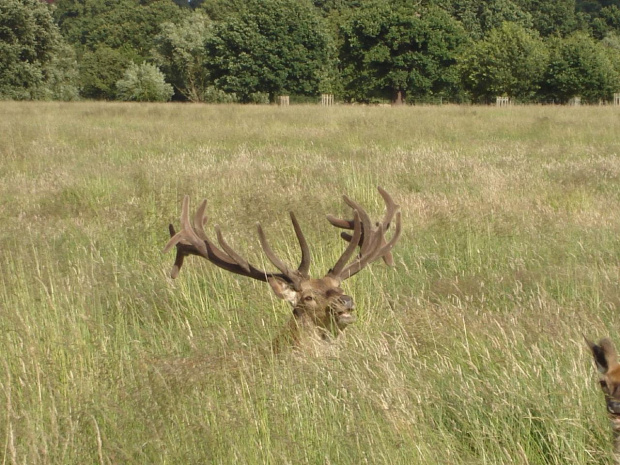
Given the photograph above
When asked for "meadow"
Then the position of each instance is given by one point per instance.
(468, 351)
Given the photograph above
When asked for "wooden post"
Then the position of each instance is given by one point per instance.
(617, 99)
(283, 100)
(502, 101)
(327, 100)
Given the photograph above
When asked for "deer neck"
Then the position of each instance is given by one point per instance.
(304, 328)
(302, 332)
(615, 426)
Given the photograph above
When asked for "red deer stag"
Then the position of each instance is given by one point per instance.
(321, 309)
(608, 367)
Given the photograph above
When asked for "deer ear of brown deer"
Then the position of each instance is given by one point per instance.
(284, 290)
(604, 354)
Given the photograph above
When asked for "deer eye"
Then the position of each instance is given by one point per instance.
(308, 298)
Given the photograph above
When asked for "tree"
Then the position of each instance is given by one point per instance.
(35, 62)
(552, 17)
(99, 71)
(392, 49)
(108, 35)
(181, 53)
(272, 46)
(143, 83)
(478, 18)
(580, 66)
(510, 61)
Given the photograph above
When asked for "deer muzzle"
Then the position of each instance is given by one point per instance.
(344, 315)
(613, 407)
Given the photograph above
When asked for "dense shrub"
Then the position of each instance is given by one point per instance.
(143, 83)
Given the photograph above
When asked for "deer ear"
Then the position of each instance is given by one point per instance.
(284, 290)
(604, 355)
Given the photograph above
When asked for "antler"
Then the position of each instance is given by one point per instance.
(194, 241)
(371, 240)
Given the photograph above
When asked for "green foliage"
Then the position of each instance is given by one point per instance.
(510, 61)
(214, 95)
(552, 17)
(181, 54)
(99, 71)
(272, 46)
(258, 98)
(390, 49)
(479, 18)
(360, 50)
(108, 35)
(605, 22)
(143, 83)
(581, 66)
(35, 62)
(62, 75)
(118, 24)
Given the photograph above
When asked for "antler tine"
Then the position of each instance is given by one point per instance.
(364, 243)
(292, 276)
(184, 237)
(242, 262)
(304, 265)
(346, 255)
(379, 250)
(230, 256)
(200, 219)
(178, 260)
(187, 233)
(340, 223)
(390, 206)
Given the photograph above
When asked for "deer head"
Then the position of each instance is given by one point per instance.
(320, 306)
(606, 360)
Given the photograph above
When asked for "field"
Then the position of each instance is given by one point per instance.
(469, 351)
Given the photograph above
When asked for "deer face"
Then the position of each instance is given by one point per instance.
(318, 301)
(608, 367)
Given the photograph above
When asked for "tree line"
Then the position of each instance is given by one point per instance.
(251, 51)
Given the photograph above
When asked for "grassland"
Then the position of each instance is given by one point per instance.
(470, 351)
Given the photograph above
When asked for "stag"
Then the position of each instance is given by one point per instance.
(606, 359)
(321, 309)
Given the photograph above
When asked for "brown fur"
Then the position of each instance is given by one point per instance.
(321, 311)
(606, 359)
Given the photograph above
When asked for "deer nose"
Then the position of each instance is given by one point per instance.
(347, 302)
(613, 407)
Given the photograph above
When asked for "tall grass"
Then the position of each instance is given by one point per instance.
(468, 352)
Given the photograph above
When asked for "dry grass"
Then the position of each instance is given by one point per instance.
(469, 352)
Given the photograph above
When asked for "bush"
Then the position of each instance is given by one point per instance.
(214, 95)
(260, 98)
(143, 83)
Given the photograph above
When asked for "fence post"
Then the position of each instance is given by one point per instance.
(502, 101)
(617, 99)
(327, 100)
(283, 100)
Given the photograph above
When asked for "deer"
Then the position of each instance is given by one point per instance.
(606, 359)
(321, 309)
